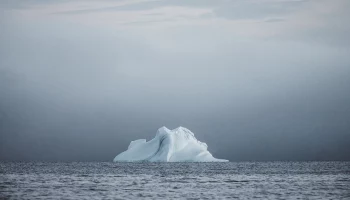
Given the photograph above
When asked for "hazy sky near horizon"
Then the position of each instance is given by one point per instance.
(254, 79)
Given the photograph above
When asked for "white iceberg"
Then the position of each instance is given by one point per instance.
(178, 145)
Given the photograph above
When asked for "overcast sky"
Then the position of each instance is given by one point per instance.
(256, 80)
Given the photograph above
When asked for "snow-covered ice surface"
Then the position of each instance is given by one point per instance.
(178, 145)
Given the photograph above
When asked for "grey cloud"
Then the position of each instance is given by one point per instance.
(128, 7)
(256, 9)
(146, 5)
(274, 20)
(221, 8)
(326, 25)
(327, 35)
(25, 4)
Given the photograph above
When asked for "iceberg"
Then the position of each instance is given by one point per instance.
(177, 145)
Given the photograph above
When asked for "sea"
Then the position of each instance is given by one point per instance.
(144, 180)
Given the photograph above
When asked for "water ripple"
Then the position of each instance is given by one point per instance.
(266, 180)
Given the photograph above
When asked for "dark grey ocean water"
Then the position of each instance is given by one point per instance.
(107, 180)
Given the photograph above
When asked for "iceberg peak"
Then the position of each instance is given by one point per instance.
(162, 130)
(177, 145)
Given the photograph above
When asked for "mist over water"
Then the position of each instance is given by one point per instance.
(79, 85)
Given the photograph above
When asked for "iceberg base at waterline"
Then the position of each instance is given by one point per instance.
(177, 145)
